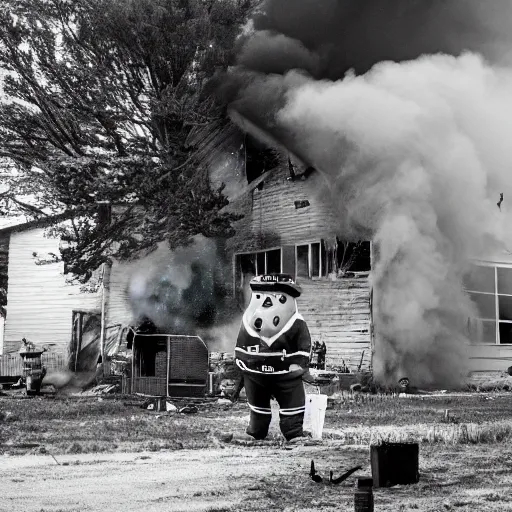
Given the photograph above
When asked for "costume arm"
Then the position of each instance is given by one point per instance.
(303, 345)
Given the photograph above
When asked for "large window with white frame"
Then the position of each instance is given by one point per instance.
(490, 288)
(309, 260)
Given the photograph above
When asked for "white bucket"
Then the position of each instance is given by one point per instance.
(314, 416)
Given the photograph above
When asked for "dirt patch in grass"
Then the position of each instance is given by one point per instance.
(475, 478)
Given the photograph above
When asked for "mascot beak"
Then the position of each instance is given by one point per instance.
(267, 303)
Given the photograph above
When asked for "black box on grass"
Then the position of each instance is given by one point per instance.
(395, 464)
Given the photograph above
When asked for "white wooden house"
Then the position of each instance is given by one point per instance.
(42, 305)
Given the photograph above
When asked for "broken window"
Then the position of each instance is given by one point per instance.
(490, 289)
(353, 256)
(258, 158)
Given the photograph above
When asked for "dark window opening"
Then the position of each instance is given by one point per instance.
(147, 362)
(505, 333)
(260, 263)
(316, 268)
(303, 261)
(505, 307)
(258, 158)
(353, 256)
(362, 262)
(247, 264)
(274, 261)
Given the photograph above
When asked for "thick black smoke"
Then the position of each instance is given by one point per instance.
(325, 39)
(405, 107)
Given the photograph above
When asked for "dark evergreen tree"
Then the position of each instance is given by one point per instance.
(100, 98)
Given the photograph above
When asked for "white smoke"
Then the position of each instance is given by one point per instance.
(416, 155)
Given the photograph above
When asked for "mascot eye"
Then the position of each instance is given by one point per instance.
(282, 299)
(276, 320)
(258, 296)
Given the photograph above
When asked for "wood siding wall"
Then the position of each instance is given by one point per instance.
(39, 301)
(270, 216)
(274, 210)
(337, 312)
(117, 308)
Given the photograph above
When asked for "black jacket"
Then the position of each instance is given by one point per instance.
(258, 355)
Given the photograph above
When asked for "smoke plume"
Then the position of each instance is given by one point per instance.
(184, 292)
(405, 106)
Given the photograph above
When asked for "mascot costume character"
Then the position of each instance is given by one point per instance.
(273, 350)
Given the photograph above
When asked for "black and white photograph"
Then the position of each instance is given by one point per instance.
(255, 255)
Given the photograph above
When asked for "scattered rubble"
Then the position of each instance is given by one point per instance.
(102, 389)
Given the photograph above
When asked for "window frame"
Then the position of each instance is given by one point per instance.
(497, 321)
(265, 252)
(321, 254)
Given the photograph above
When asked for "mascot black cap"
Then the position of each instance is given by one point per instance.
(276, 283)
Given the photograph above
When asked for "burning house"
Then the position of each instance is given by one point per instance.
(287, 228)
(403, 110)
(367, 153)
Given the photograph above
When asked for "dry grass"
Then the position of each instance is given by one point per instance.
(465, 455)
(71, 425)
(84, 425)
(452, 478)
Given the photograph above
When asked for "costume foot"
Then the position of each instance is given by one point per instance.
(297, 441)
(242, 439)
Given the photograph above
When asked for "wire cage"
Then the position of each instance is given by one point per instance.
(169, 365)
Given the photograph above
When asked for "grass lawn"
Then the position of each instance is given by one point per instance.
(84, 425)
(465, 456)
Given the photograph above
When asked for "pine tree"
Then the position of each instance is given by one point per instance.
(101, 96)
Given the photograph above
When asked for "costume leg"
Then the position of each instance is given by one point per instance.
(292, 403)
(258, 398)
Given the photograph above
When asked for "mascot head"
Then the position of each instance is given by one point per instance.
(272, 303)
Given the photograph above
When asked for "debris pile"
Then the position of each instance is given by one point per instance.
(102, 389)
(226, 375)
